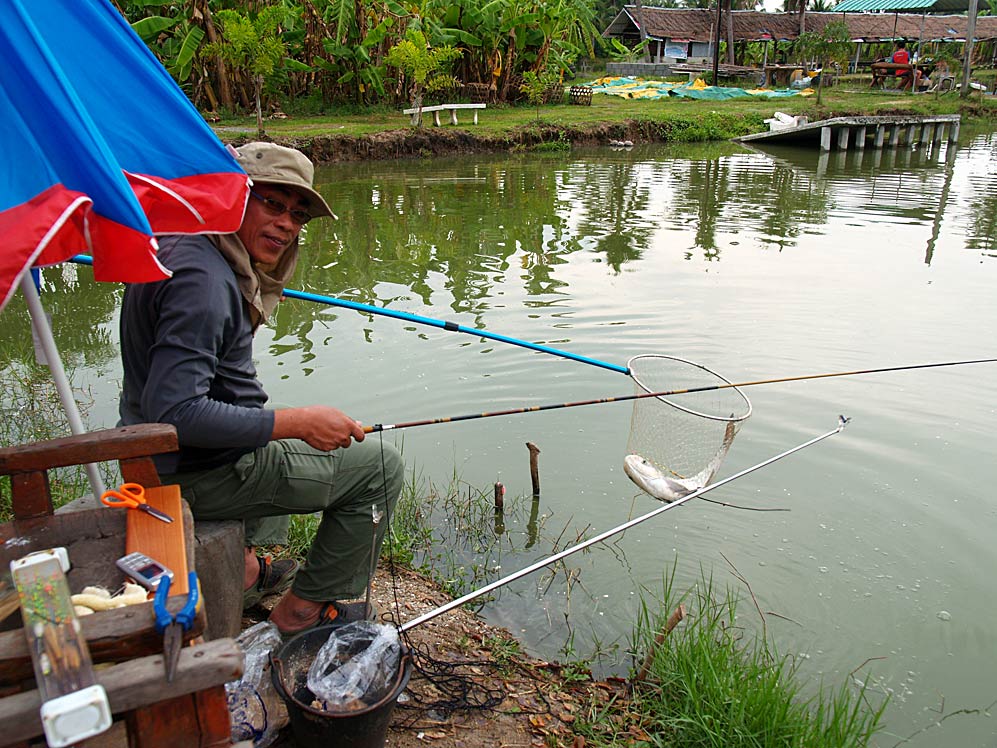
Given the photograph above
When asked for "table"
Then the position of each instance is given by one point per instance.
(884, 71)
(780, 76)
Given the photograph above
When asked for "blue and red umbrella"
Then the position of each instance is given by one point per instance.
(102, 150)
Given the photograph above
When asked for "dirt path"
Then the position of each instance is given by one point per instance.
(536, 702)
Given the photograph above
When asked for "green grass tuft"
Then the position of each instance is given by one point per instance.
(709, 685)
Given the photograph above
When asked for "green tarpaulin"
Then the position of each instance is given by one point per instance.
(638, 88)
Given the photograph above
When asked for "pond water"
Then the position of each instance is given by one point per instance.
(756, 264)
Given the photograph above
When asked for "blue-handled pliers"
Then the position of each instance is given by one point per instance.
(172, 626)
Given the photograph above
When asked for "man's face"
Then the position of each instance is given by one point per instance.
(265, 233)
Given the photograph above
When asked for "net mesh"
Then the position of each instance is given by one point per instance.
(685, 436)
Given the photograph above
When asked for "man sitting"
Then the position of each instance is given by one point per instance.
(907, 76)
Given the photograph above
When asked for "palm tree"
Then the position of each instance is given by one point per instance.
(800, 7)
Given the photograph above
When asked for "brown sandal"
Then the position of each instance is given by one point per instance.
(275, 577)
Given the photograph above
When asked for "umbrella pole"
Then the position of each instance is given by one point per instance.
(43, 332)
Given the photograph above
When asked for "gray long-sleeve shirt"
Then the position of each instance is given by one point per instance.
(187, 351)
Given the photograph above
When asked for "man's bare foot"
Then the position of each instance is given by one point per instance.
(251, 573)
(293, 613)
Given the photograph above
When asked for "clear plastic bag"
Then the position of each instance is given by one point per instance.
(356, 667)
(256, 710)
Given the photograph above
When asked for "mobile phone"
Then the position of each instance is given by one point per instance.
(146, 571)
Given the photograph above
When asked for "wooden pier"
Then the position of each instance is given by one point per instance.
(887, 131)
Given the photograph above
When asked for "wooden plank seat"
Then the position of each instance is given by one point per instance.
(193, 709)
(417, 112)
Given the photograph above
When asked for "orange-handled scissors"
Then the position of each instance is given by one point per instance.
(132, 496)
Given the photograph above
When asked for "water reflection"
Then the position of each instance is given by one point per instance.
(80, 310)
(447, 234)
(877, 256)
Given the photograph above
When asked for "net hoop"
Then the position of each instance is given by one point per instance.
(734, 418)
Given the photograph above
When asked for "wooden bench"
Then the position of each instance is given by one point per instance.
(887, 71)
(193, 709)
(726, 72)
(417, 112)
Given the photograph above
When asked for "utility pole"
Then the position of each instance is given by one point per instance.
(716, 43)
(968, 57)
(643, 30)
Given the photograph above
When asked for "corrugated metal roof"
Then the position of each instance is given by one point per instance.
(899, 6)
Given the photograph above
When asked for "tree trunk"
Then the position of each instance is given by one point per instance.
(730, 33)
(259, 107)
(417, 105)
(224, 91)
(820, 82)
(509, 66)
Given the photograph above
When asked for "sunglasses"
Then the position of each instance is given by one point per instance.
(277, 208)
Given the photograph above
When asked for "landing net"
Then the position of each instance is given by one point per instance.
(685, 436)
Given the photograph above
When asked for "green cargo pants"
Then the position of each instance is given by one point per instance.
(289, 477)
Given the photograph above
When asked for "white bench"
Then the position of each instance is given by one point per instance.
(417, 112)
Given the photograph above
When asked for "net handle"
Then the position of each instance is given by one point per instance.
(729, 386)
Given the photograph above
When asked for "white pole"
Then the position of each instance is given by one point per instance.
(968, 58)
(39, 321)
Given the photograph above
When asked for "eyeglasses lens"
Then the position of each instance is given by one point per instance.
(277, 208)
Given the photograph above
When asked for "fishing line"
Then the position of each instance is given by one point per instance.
(661, 394)
(418, 621)
(458, 691)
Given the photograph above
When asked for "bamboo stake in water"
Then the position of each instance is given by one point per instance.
(842, 421)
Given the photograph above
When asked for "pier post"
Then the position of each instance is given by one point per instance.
(894, 136)
(939, 134)
(880, 134)
(954, 132)
(911, 132)
(928, 132)
(860, 138)
(822, 159)
(825, 138)
(843, 138)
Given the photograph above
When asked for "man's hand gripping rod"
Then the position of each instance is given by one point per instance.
(842, 422)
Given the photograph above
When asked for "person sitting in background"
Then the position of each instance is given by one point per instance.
(908, 76)
(941, 73)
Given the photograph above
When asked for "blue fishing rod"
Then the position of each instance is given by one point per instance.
(429, 321)
(454, 327)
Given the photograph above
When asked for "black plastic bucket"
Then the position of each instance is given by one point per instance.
(317, 728)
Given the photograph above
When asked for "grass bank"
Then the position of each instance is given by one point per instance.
(382, 133)
(710, 683)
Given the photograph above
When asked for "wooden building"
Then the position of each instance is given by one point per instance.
(680, 34)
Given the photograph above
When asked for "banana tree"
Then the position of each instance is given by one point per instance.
(425, 67)
(252, 47)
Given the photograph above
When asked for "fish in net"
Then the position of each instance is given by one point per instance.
(678, 441)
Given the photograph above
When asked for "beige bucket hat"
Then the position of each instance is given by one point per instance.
(270, 163)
